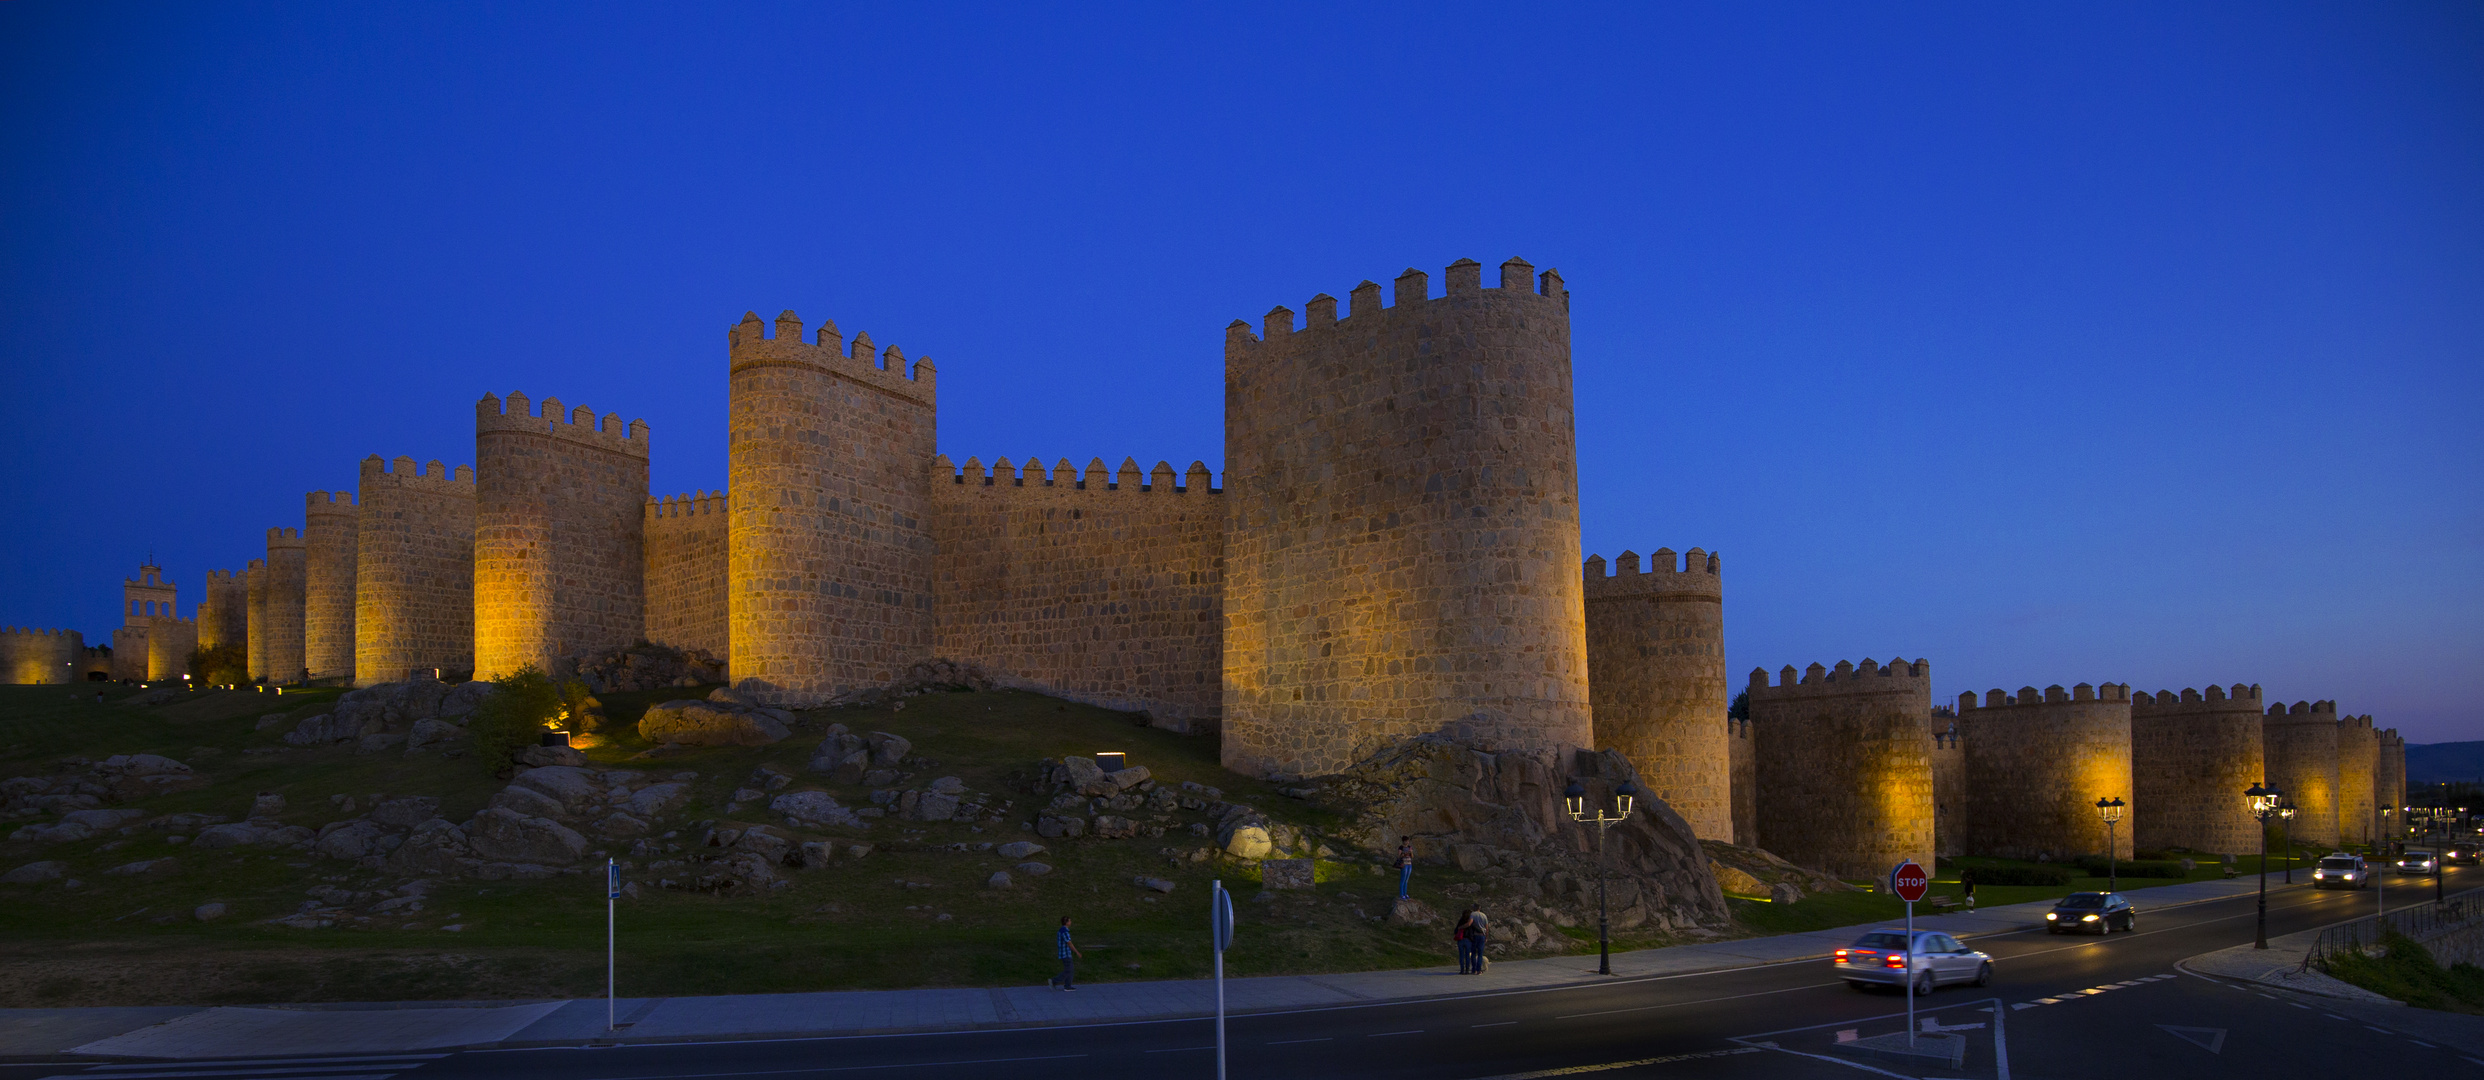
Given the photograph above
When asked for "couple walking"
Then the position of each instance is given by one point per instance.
(1471, 937)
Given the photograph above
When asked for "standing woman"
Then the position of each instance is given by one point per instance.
(1463, 935)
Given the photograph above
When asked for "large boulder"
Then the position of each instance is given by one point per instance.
(1508, 806)
(406, 812)
(437, 846)
(348, 840)
(499, 835)
(657, 800)
(575, 790)
(887, 749)
(35, 873)
(702, 723)
(813, 808)
(233, 834)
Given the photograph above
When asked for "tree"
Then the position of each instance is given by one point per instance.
(514, 716)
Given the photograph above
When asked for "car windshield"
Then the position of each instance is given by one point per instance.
(1882, 940)
(2412, 854)
(2337, 864)
(2083, 900)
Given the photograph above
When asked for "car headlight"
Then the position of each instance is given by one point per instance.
(2319, 874)
(2087, 918)
(2051, 915)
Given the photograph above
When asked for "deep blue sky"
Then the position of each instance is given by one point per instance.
(2136, 344)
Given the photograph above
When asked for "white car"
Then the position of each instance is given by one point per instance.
(2339, 870)
(2417, 861)
(1881, 958)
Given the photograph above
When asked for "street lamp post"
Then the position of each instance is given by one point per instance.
(2111, 809)
(2263, 806)
(1623, 799)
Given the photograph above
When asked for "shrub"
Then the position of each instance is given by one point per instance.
(511, 718)
(2407, 972)
(220, 666)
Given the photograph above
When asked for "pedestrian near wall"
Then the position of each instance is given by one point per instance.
(1461, 935)
(1405, 864)
(1478, 934)
(1966, 888)
(1067, 948)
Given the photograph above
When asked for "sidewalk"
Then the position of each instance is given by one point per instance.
(177, 1033)
(2280, 967)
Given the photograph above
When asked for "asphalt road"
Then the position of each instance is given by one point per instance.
(2059, 1006)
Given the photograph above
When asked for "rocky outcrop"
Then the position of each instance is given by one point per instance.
(646, 666)
(722, 720)
(1502, 814)
(502, 835)
(392, 709)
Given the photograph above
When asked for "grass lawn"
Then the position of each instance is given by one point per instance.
(910, 914)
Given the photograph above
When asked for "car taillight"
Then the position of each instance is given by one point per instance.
(1896, 961)
(1841, 956)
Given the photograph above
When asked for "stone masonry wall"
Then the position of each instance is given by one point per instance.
(330, 530)
(1745, 787)
(144, 599)
(1845, 766)
(829, 579)
(1106, 590)
(2301, 745)
(2358, 754)
(688, 544)
(169, 644)
(224, 617)
(2192, 757)
(1656, 679)
(1402, 553)
(129, 652)
(2035, 767)
(281, 626)
(31, 657)
(254, 586)
(560, 565)
(413, 571)
(2389, 777)
(1949, 790)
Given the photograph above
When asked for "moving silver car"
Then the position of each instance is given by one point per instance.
(1881, 958)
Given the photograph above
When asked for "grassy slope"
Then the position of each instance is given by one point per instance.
(847, 925)
(2408, 973)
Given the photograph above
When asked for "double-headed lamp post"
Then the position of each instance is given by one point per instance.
(2111, 811)
(2264, 802)
(1623, 799)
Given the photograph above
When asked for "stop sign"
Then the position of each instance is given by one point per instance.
(1909, 881)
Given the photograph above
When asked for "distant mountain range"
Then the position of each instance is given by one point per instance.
(2443, 762)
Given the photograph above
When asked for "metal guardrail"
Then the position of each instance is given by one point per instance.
(2418, 922)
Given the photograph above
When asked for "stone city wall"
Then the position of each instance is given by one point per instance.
(224, 616)
(688, 544)
(1656, 679)
(1106, 590)
(1402, 553)
(2036, 766)
(169, 644)
(2358, 759)
(413, 571)
(254, 587)
(280, 626)
(2193, 754)
(331, 528)
(30, 657)
(129, 653)
(1745, 787)
(1845, 766)
(2301, 746)
(2389, 778)
(1949, 792)
(560, 564)
(829, 577)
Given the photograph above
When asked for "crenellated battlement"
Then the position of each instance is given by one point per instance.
(1696, 573)
(2324, 712)
(50, 635)
(1065, 476)
(1411, 293)
(1862, 677)
(432, 476)
(2356, 723)
(2052, 695)
(686, 505)
(749, 344)
(322, 502)
(579, 424)
(281, 537)
(2239, 696)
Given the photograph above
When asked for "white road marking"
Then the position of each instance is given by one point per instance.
(1386, 1034)
(1498, 1023)
(1298, 1042)
(1575, 1070)
(2425, 1045)
(1180, 1049)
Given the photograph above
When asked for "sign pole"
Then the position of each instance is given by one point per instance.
(1910, 973)
(612, 897)
(1910, 881)
(1220, 920)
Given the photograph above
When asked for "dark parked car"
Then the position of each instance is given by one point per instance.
(2091, 912)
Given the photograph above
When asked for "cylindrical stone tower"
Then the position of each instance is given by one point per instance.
(559, 534)
(1402, 552)
(413, 571)
(1656, 675)
(1845, 766)
(2035, 767)
(2389, 782)
(830, 566)
(288, 568)
(224, 617)
(2358, 760)
(254, 586)
(2192, 757)
(2301, 745)
(331, 530)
